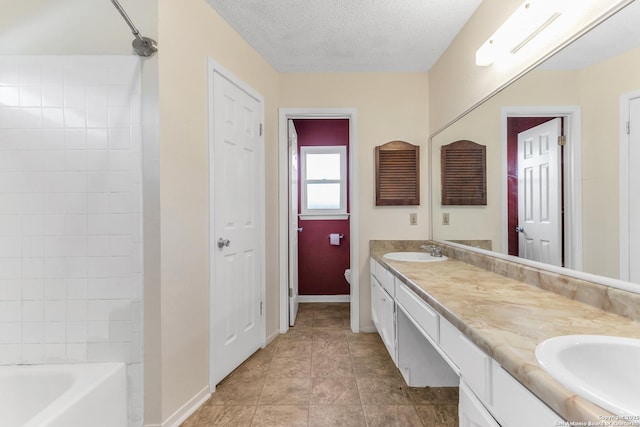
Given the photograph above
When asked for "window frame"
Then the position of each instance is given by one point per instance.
(323, 214)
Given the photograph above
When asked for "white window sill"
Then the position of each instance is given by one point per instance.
(323, 216)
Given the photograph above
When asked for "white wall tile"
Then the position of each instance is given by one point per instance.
(52, 96)
(9, 353)
(10, 246)
(98, 331)
(98, 289)
(77, 352)
(97, 116)
(10, 333)
(76, 267)
(54, 331)
(54, 266)
(32, 311)
(77, 311)
(10, 311)
(76, 289)
(31, 96)
(98, 224)
(33, 332)
(32, 353)
(70, 207)
(9, 96)
(11, 290)
(76, 332)
(32, 268)
(55, 289)
(33, 290)
(97, 160)
(33, 246)
(98, 310)
(98, 246)
(97, 139)
(55, 353)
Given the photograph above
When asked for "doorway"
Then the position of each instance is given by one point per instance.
(289, 226)
(571, 171)
(535, 182)
(322, 212)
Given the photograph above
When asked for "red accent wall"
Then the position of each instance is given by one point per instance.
(515, 125)
(320, 265)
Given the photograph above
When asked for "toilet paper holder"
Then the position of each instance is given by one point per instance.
(340, 236)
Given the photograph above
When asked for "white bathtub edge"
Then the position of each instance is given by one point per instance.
(186, 410)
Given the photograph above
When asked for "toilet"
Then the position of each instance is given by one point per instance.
(347, 275)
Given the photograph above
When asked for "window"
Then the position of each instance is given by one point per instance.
(323, 179)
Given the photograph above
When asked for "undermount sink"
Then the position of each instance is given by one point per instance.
(602, 369)
(413, 256)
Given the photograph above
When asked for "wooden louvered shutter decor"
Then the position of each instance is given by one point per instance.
(463, 166)
(397, 174)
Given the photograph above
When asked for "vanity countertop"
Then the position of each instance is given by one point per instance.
(508, 319)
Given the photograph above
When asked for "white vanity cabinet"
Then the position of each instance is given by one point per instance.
(430, 351)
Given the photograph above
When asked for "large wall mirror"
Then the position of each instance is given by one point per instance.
(571, 205)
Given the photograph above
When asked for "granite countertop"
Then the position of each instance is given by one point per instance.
(508, 319)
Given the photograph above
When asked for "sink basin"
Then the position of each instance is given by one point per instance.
(413, 256)
(602, 369)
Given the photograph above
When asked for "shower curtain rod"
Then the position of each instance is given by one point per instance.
(143, 46)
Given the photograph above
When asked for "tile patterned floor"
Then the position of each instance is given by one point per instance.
(322, 374)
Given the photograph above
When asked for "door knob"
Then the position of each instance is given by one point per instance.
(519, 229)
(299, 229)
(223, 242)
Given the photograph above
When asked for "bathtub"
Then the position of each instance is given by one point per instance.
(74, 395)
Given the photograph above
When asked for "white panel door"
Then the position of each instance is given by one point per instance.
(236, 239)
(293, 223)
(540, 194)
(634, 190)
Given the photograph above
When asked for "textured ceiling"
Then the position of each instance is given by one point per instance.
(348, 35)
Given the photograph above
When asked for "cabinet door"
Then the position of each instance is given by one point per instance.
(471, 412)
(376, 302)
(388, 323)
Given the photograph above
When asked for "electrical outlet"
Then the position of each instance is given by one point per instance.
(445, 218)
(413, 219)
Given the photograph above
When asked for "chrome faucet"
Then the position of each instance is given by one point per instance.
(433, 249)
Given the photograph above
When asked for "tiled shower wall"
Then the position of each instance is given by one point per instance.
(70, 213)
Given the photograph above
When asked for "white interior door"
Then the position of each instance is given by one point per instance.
(236, 312)
(293, 223)
(634, 190)
(539, 193)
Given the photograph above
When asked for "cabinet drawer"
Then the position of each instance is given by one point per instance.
(511, 399)
(373, 266)
(420, 311)
(473, 363)
(385, 278)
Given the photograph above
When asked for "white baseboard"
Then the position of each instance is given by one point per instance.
(324, 298)
(272, 337)
(368, 330)
(186, 410)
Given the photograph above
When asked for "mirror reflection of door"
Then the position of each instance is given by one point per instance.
(535, 195)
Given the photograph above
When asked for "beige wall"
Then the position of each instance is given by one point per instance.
(189, 32)
(389, 107)
(457, 84)
(597, 90)
(601, 87)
